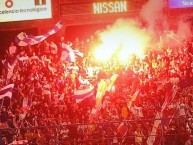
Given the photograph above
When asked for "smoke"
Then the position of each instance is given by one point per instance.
(182, 34)
(184, 30)
(124, 37)
(128, 36)
(153, 13)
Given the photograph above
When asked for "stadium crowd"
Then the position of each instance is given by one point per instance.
(43, 109)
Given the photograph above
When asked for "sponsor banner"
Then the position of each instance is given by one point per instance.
(19, 10)
(180, 3)
(110, 7)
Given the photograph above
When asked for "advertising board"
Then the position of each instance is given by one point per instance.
(180, 3)
(110, 7)
(19, 10)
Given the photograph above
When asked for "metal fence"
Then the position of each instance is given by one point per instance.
(169, 131)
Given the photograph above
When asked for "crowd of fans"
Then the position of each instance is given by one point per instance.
(43, 109)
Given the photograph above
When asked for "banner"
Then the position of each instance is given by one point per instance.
(19, 10)
(180, 3)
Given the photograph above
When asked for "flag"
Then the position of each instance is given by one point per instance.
(82, 94)
(122, 129)
(10, 70)
(77, 52)
(25, 102)
(102, 88)
(22, 39)
(6, 91)
(170, 94)
(151, 138)
(167, 119)
(132, 99)
(11, 63)
(93, 113)
(67, 53)
(112, 81)
(26, 105)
